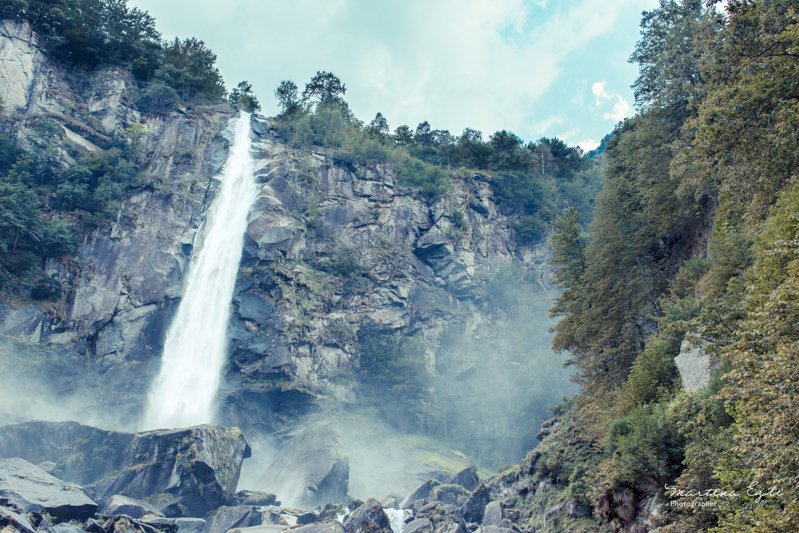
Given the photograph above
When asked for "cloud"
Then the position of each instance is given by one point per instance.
(621, 109)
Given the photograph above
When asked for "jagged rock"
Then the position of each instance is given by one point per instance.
(93, 526)
(390, 502)
(450, 527)
(182, 525)
(16, 521)
(368, 518)
(66, 527)
(31, 489)
(227, 518)
(310, 469)
(419, 493)
(198, 467)
(474, 508)
(122, 505)
(419, 525)
(466, 478)
(307, 518)
(441, 514)
(493, 514)
(449, 494)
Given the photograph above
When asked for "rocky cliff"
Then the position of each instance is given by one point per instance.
(330, 245)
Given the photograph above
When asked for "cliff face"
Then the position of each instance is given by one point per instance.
(329, 246)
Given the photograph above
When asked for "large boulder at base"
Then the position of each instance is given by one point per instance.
(122, 505)
(16, 521)
(420, 525)
(368, 518)
(474, 508)
(310, 469)
(227, 518)
(192, 470)
(252, 497)
(31, 489)
(442, 516)
(81, 454)
(419, 493)
(493, 514)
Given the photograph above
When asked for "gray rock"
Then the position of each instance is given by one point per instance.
(310, 469)
(552, 511)
(65, 527)
(307, 518)
(450, 527)
(466, 478)
(330, 526)
(695, 365)
(420, 525)
(368, 518)
(183, 525)
(419, 493)
(227, 518)
(250, 497)
(493, 514)
(474, 508)
(31, 489)
(16, 521)
(122, 505)
(576, 509)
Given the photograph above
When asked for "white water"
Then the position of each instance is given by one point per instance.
(196, 343)
(396, 518)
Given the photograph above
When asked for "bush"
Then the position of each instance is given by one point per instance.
(530, 229)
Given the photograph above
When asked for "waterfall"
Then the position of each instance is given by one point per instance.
(196, 342)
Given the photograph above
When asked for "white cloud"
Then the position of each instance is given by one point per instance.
(621, 110)
(600, 93)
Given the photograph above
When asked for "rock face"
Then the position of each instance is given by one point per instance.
(31, 489)
(311, 469)
(122, 505)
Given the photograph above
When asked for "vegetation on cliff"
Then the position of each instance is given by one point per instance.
(695, 233)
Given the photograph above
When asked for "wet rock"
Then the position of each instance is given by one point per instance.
(310, 469)
(331, 526)
(198, 467)
(249, 497)
(31, 489)
(227, 518)
(474, 508)
(368, 518)
(122, 505)
(466, 478)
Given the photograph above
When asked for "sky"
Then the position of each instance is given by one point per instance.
(537, 68)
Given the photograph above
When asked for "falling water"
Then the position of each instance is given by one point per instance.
(196, 342)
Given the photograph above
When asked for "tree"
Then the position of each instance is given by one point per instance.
(403, 136)
(379, 125)
(243, 97)
(288, 98)
(324, 89)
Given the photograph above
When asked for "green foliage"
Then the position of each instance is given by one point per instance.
(530, 229)
(157, 98)
(345, 264)
(430, 179)
(243, 97)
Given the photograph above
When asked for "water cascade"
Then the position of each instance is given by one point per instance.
(196, 343)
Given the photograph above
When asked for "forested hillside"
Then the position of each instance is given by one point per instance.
(694, 243)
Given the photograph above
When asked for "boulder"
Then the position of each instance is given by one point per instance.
(576, 509)
(466, 478)
(441, 514)
(197, 468)
(227, 518)
(16, 521)
(493, 514)
(419, 493)
(122, 505)
(368, 518)
(310, 470)
(474, 508)
(31, 489)
(694, 364)
(65, 527)
(251, 497)
(420, 525)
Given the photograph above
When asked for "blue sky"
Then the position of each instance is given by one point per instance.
(534, 67)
